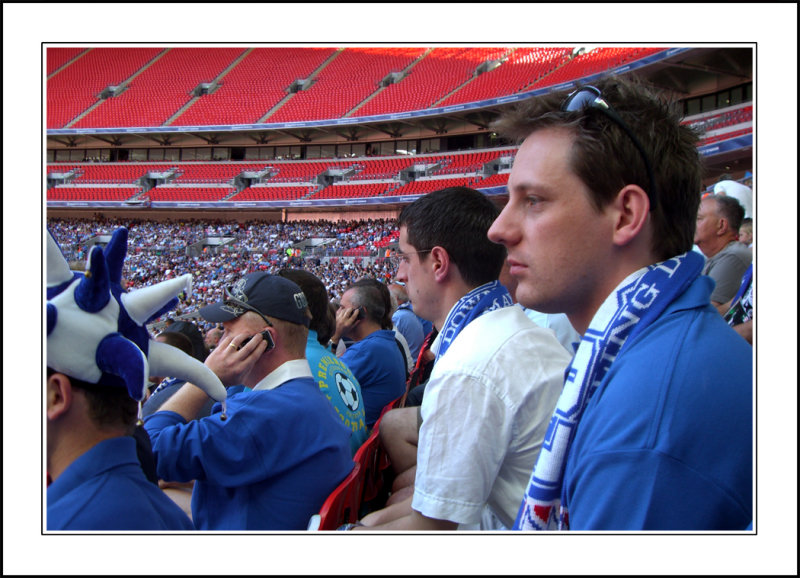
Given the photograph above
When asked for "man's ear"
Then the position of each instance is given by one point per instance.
(632, 208)
(59, 395)
(723, 226)
(440, 263)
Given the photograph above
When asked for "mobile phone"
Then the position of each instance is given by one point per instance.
(267, 337)
(361, 313)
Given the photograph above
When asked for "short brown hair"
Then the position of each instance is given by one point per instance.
(457, 219)
(606, 160)
(109, 406)
(731, 210)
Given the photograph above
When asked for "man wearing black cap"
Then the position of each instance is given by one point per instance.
(282, 449)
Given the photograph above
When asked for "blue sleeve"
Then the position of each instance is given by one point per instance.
(227, 453)
(746, 279)
(355, 361)
(411, 329)
(646, 490)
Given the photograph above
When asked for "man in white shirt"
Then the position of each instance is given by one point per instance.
(482, 425)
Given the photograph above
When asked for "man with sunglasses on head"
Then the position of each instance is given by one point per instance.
(281, 449)
(653, 429)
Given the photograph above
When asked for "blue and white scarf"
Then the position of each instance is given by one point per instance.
(166, 382)
(480, 300)
(636, 302)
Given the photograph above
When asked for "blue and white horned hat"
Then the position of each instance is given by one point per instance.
(96, 331)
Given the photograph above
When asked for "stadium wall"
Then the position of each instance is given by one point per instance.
(239, 216)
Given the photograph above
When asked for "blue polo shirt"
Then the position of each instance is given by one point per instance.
(666, 442)
(106, 489)
(380, 368)
(269, 466)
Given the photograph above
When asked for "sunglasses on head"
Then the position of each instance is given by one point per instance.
(591, 97)
(230, 299)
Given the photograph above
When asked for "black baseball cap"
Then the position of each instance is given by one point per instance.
(269, 295)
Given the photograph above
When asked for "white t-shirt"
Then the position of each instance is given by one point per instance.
(560, 325)
(486, 409)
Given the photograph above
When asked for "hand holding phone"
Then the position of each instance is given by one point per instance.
(266, 335)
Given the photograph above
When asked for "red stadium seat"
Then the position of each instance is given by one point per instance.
(75, 88)
(161, 89)
(255, 85)
(370, 457)
(594, 61)
(342, 505)
(375, 465)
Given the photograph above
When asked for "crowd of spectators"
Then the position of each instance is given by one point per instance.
(159, 251)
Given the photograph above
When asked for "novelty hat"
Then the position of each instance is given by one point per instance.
(96, 331)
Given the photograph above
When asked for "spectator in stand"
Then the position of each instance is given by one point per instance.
(212, 338)
(388, 323)
(275, 480)
(746, 232)
(185, 336)
(375, 357)
(335, 379)
(602, 208)
(717, 233)
(175, 339)
(406, 320)
(190, 330)
(98, 356)
(481, 424)
(161, 247)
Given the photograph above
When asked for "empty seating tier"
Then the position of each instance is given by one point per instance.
(188, 194)
(77, 87)
(352, 76)
(593, 62)
(388, 168)
(348, 190)
(214, 172)
(78, 193)
(156, 86)
(495, 180)
(432, 78)
(421, 187)
(254, 86)
(523, 67)
(263, 193)
(161, 89)
(58, 57)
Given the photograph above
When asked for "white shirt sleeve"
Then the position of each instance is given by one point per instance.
(461, 447)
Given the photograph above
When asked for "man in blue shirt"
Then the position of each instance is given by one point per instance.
(273, 458)
(654, 426)
(375, 357)
(97, 346)
(406, 320)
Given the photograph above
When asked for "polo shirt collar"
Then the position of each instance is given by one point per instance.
(290, 370)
